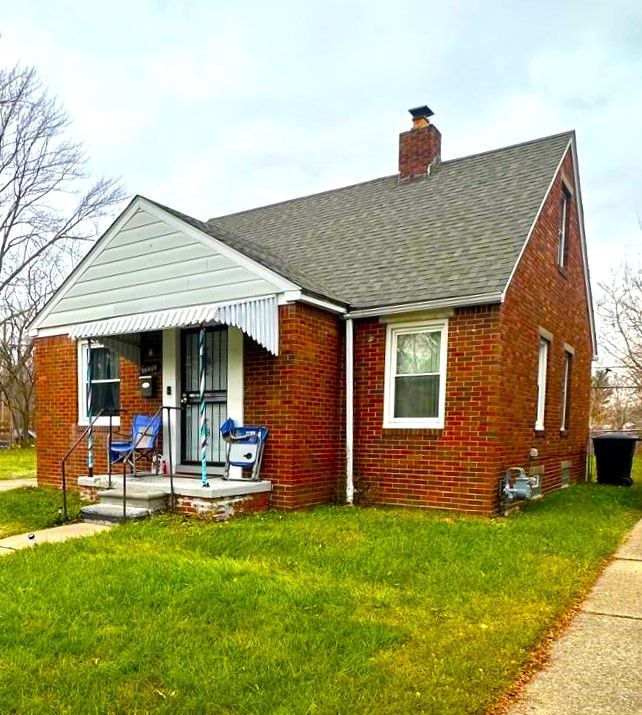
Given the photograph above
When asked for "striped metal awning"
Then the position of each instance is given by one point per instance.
(256, 317)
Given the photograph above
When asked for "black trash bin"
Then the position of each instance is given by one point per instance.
(614, 457)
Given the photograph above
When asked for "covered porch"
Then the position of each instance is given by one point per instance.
(190, 380)
(164, 319)
(159, 312)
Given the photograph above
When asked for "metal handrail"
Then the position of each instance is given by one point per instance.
(142, 434)
(170, 466)
(66, 457)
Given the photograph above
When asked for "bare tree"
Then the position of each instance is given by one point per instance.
(48, 213)
(620, 312)
(621, 316)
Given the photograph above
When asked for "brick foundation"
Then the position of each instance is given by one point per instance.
(224, 508)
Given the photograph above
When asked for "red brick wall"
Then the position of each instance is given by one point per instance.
(450, 468)
(541, 295)
(298, 396)
(56, 364)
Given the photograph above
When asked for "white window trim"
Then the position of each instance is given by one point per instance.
(392, 330)
(561, 244)
(568, 361)
(83, 421)
(542, 371)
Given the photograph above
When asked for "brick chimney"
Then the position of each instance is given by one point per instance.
(420, 146)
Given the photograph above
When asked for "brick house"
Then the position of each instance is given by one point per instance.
(405, 340)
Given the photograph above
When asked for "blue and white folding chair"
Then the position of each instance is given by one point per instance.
(244, 447)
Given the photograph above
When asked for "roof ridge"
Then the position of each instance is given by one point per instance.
(175, 212)
(315, 194)
(569, 133)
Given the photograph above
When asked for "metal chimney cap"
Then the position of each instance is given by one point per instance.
(421, 112)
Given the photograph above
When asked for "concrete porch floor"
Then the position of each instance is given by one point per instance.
(183, 486)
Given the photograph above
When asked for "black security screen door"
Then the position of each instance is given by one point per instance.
(215, 394)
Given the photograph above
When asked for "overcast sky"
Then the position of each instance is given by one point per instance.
(213, 106)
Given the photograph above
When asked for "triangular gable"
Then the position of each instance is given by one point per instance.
(150, 260)
(572, 147)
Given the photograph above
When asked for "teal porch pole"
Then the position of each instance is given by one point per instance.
(201, 406)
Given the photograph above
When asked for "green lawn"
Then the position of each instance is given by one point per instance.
(335, 610)
(17, 463)
(29, 509)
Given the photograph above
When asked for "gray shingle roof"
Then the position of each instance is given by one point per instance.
(455, 233)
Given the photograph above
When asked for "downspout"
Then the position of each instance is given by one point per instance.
(90, 416)
(349, 411)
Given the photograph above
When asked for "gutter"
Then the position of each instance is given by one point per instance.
(400, 308)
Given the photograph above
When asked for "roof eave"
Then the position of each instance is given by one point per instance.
(536, 218)
(587, 273)
(122, 218)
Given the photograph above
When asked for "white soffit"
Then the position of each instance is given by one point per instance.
(256, 317)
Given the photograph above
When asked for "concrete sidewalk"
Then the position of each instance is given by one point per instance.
(7, 484)
(596, 666)
(48, 536)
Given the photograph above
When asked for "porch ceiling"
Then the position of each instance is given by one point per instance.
(256, 317)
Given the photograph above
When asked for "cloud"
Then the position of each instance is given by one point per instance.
(214, 106)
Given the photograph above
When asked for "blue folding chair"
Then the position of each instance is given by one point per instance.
(143, 442)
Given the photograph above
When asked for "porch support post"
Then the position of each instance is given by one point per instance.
(201, 406)
(90, 433)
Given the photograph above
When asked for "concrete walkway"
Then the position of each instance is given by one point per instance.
(7, 484)
(48, 536)
(596, 666)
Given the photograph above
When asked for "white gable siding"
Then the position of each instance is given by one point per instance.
(148, 265)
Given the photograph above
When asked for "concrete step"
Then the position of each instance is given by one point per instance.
(112, 514)
(137, 497)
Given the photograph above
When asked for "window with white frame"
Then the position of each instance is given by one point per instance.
(542, 370)
(566, 389)
(562, 245)
(105, 383)
(415, 384)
